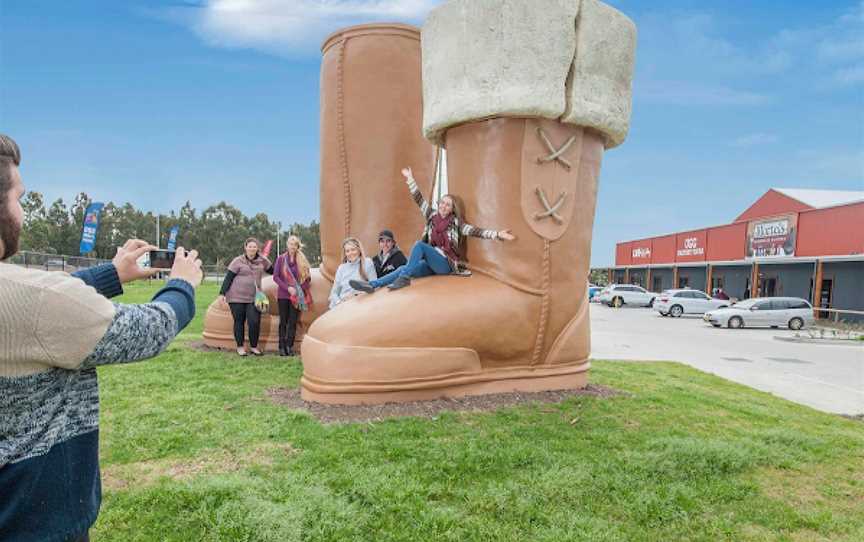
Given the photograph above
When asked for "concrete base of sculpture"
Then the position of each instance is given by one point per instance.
(219, 324)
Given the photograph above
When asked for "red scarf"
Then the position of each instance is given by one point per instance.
(439, 237)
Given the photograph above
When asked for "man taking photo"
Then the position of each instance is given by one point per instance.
(55, 329)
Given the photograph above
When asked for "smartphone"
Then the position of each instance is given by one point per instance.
(162, 259)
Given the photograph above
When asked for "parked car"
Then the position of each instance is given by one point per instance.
(617, 295)
(593, 290)
(56, 263)
(686, 301)
(792, 312)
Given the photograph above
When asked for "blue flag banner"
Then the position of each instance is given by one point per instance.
(172, 238)
(91, 226)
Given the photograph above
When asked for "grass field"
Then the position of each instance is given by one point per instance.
(193, 450)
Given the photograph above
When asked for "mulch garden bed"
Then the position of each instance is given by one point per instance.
(290, 397)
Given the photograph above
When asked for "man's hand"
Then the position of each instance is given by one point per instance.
(126, 261)
(292, 290)
(408, 173)
(187, 267)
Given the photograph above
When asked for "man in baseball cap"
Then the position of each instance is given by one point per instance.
(389, 257)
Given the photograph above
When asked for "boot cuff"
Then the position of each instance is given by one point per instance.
(567, 60)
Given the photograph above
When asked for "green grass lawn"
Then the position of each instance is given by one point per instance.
(193, 450)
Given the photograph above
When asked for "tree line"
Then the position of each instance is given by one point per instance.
(217, 232)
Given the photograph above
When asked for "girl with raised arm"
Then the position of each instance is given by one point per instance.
(438, 252)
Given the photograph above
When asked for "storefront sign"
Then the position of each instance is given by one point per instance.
(690, 247)
(772, 238)
(641, 253)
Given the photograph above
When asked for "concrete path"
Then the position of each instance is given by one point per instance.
(826, 377)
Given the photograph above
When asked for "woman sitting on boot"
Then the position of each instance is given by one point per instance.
(438, 252)
(292, 274)
(355, 266)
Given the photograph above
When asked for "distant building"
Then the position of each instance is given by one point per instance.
(790, 242)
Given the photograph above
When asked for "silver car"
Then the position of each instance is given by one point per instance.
(791, 312)
(616, 295)
(676, 302)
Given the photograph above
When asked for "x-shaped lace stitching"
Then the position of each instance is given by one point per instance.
(551, 210)
(553, 153)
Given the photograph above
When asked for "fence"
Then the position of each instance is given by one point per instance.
(834, 315)
(70, 264)
(54, 262)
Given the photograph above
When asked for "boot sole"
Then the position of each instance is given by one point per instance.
(354, 375)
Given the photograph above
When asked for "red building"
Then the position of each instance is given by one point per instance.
(790, 242)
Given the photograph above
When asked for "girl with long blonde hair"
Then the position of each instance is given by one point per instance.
(292, 275)
(355, 266)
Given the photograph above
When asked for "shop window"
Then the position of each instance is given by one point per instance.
(768, 287)
(716, 282)
(658, 284)
(825, 300)
(683, 282)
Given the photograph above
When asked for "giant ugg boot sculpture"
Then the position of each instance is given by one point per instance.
(525, 94)
(371, 113)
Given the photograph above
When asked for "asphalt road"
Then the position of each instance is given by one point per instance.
(826, 377)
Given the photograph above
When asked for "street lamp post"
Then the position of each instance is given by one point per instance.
(278, 238)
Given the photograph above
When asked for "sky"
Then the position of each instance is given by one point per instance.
(159, 102)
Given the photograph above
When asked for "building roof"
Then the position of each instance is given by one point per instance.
(822, 198)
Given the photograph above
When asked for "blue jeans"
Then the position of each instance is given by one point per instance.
(424, 261)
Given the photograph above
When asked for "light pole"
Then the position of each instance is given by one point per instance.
(278, 238)
(157, 231)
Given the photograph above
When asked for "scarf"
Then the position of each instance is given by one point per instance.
(438, 236)
(299, 298)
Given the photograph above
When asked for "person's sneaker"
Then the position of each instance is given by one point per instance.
(256, 352)
(400, 282)
(361, 286)
(241, 352)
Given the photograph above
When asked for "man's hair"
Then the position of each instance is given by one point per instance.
(10, 155)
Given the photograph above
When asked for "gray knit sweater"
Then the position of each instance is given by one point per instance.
(55, 329)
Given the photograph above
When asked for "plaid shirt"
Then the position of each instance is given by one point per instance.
(456, 232)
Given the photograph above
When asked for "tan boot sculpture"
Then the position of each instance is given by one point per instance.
(371, 113)
(526, 94)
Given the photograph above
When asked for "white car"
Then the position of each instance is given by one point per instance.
(616, 295)
(686, 301)
(791, 312)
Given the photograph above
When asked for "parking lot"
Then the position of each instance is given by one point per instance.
(826, 377)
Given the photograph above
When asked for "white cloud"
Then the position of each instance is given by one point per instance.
(850, 76)
(286, 27)
(753, 140)
(691, 58)
(686, 93)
